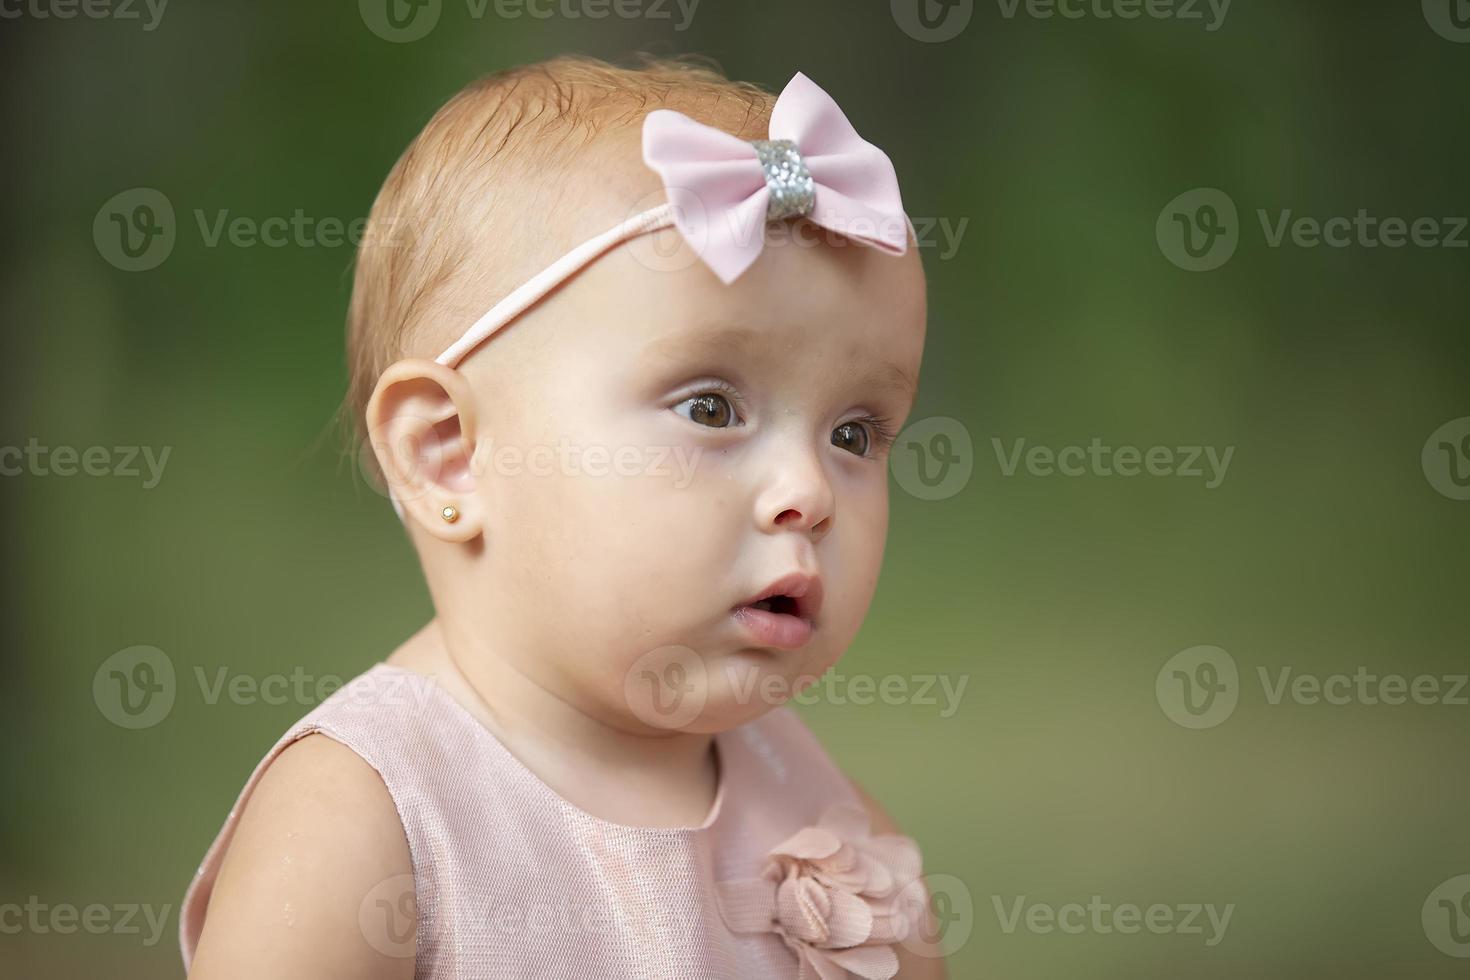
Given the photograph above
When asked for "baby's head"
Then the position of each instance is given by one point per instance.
(648, 447)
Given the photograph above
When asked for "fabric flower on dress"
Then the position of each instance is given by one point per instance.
(837, 895)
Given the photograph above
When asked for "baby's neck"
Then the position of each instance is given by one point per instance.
(669, 780)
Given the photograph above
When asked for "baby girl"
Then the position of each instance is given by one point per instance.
(648, 489)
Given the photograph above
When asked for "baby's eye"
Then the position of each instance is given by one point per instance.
(868, 437)
(708, 408)
(851, 436)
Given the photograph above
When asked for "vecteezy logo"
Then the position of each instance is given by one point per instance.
(1198, 230)
(1446, 459)
(667, 687)
(1446, 917)
(1450, 19)
(950, 918)
(135, 229)
(666, 250)
(933, 458)
(388, 916)
(932, 21)
(1198, 687)
(134, 688)
(400, 21)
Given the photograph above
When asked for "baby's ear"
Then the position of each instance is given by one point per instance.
(420, 420)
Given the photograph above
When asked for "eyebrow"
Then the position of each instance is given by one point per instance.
(744, 342)
(717, 340)
(895, 380)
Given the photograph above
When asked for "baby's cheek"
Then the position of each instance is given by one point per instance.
(624, 548)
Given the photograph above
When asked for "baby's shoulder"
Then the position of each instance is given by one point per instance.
(317, 854)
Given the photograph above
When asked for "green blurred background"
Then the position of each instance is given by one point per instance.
(1060, 316)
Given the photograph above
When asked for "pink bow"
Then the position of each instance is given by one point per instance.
(719, 188)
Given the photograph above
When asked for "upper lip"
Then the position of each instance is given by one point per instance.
(805, 589)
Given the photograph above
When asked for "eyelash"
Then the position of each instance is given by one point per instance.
(883, 433)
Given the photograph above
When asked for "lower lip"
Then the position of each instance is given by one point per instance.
(773, 629)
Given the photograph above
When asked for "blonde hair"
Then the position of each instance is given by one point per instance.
(491, 165)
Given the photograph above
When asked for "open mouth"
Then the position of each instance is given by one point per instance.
(794, 594)
(784, 615)
(770, 628)
(784, 604)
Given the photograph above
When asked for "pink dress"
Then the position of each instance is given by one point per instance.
(511, 880)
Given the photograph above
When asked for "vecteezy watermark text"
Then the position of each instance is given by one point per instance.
(1200, 229)
(570, 459)
(1104, 918)
(402, 21)
(34, 459)
(936, 21)
(933, 459)
(833, 687)
(668, 687)
(669, 250)
(540, 460)
(1211, 13)
(1098, 459)
(63, 919)
(135, 230)
(1363, 686)
(124, 10)
(1201, 686)
(136, 687)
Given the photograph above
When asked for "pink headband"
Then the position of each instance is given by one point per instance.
(722, 190)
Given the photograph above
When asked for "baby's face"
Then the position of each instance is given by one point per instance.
(698, 442)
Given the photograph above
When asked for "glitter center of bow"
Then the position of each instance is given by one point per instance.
(793, 192)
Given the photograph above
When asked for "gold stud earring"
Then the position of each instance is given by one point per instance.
(449, 513)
